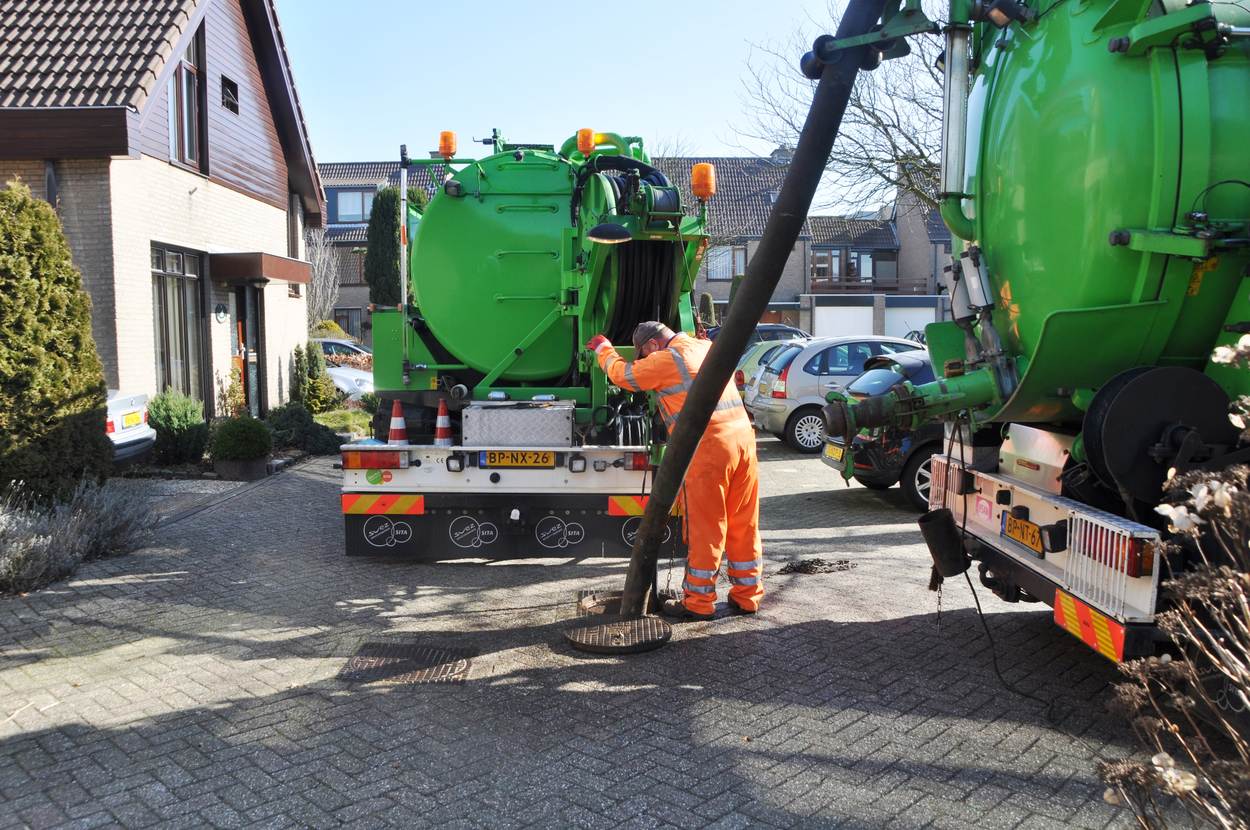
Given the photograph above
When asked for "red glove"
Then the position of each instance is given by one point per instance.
(596, 342)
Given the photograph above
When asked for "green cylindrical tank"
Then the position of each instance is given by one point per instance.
(1084, 166)
(486, 268)
(504, 247)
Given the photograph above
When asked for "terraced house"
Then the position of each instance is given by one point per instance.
(169, 136)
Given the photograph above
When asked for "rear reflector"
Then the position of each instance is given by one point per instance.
(374, 460)
(1098, 631)
(108, 426)
(740, 380)
(637, 460)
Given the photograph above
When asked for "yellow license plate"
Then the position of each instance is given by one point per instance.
(1023, 531)
(833, 451)
(131, 419)
(516, 458)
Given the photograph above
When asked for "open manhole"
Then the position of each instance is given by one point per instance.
(406, 663)
(595, 603)
(816, 566)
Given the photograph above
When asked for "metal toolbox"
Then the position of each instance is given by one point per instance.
(517, 424)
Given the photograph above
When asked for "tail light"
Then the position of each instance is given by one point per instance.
(1141, 558)
(374, 460)
(740, 380)
(145, 416)
(779, 385)
(637, 460)
(108, 426)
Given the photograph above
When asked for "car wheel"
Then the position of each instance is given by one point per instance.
(805, 431)
(917, 476)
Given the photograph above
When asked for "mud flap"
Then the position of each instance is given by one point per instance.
(458, 525)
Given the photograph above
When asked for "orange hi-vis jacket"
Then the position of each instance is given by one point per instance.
(721, 488)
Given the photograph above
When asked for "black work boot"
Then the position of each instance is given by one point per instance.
(676, 609)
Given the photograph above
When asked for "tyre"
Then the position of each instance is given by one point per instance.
(805, 431)
(917, 476)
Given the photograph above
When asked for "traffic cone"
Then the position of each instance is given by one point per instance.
(399, 429)
(442, 426)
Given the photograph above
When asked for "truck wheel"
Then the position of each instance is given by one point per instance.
(805, 431)
(917, 476)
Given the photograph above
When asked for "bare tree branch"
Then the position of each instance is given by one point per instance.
(323, 284)
(890, 141)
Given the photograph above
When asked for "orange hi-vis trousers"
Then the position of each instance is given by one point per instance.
(720, 494)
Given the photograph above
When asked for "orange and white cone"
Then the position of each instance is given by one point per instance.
(399, 429)
(442, 426)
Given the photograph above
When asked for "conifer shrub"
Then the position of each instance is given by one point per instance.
(240, 439)
(181, 432)
(52, 394)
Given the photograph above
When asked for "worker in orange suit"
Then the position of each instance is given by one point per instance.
(721, 488)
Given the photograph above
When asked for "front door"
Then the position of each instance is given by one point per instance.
(245, 339)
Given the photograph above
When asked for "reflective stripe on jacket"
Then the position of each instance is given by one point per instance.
(669, 372)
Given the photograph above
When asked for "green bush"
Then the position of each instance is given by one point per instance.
(369, 402)
(240, 439)
(231, 401)
(293, 426)
(319, 394)
(299, 374)
(181, 432)
(329, 329)
(52, 396)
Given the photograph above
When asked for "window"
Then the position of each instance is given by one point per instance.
(176, 318)
(185, 123)
(724, 262)
(867, 266)
(859, 266)
(348, 320)
(353, 205)
(293, 290)
(229, 95)
(843, 359)
(897, 348)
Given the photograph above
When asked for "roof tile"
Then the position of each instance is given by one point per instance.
(839, 231)
(62, 53)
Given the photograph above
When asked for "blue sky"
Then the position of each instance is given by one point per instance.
(373, 74)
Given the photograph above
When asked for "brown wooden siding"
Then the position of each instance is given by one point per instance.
(63, 133)
(244, 150)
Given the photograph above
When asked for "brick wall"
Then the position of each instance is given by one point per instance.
(84, 205)
(793, 280)
(154, 201)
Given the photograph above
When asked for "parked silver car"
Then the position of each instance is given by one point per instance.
(788, 394)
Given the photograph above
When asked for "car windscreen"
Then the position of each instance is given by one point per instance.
(782, 359)
(875, 382)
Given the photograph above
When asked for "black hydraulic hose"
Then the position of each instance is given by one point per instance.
(763, 272)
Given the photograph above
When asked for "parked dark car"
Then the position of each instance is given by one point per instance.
(884, 457)
(766, 331)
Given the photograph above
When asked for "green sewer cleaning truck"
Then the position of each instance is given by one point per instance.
(520, 258)
(1095, 178)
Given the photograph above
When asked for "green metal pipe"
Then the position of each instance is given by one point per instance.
(952, 211)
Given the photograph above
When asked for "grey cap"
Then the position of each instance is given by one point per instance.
(647, 331)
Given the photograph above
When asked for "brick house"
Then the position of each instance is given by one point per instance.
(747, 187)
(350, 187)
(169, 136)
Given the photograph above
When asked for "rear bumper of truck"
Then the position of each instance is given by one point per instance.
(434, 526)
(1097, 571)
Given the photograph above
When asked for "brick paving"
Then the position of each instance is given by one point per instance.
(193, 684)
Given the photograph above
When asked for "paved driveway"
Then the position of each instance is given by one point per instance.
(194, 684)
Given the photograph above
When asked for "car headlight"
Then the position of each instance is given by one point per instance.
(361, 383)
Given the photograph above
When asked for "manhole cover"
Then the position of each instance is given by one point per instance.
(816, 566)
(595, 603)
(406, 663)
(621, 636)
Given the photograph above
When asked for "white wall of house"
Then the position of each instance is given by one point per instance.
(156, 202)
